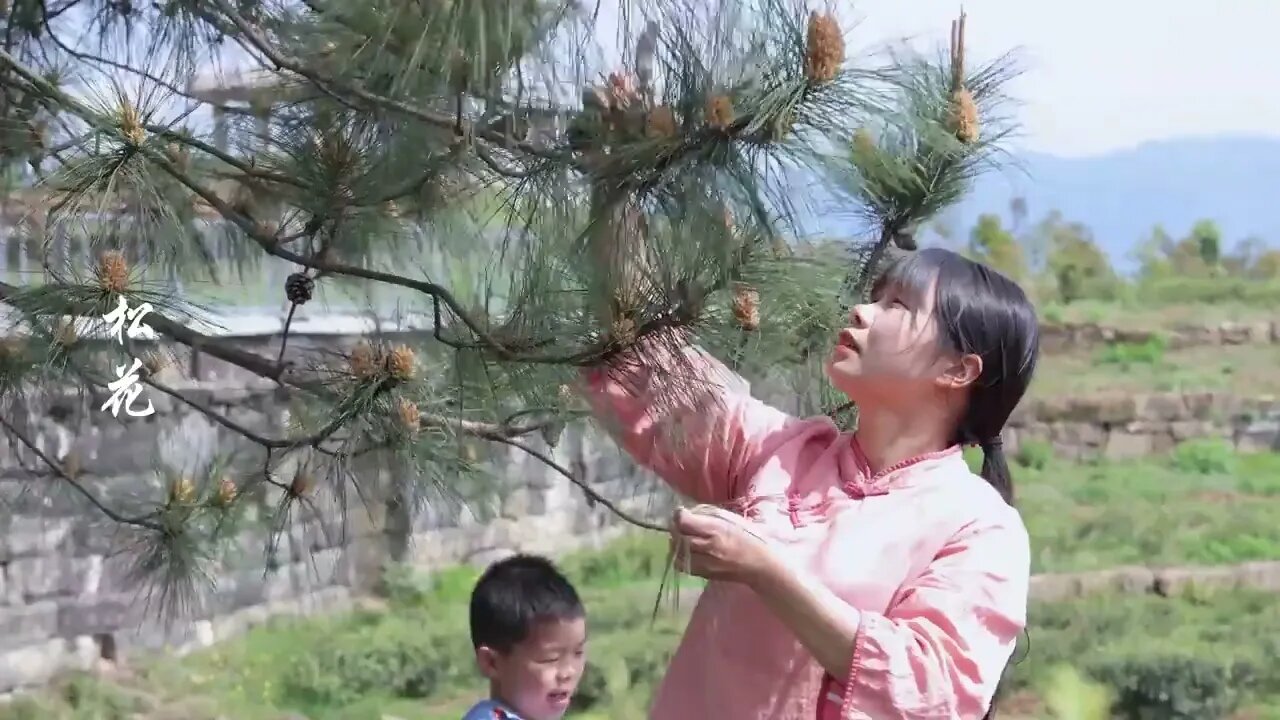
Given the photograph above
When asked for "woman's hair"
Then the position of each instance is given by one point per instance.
(979, 312)
(983, 313)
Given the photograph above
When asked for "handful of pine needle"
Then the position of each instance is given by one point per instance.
(669, 585)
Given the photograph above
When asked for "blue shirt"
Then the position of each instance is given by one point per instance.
(490, 710)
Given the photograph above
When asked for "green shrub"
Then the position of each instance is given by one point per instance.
(1070, 696)
(629, 559)
(403, 656)
(1128, 355)
(1205, 456)
(1034, 454)
(626, 667)
(1173, 688)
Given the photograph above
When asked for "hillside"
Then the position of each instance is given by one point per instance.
(1121, 195)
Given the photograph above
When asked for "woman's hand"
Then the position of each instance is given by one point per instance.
(718, 545)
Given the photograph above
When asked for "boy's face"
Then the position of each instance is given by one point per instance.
(538, 676)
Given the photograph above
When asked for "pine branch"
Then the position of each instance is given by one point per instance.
(341, 92)
(142, 521)
(590, 492)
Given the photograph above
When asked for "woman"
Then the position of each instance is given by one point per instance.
(866, 575)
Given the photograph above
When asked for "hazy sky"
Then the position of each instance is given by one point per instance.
(1107, 74)
(1100, 75)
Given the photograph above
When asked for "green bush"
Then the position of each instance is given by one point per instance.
(1205, 456)
(394, 656)
(625, 668)
(1034, 454)
(1128, 355)
(1173, 688)
(1215, 290)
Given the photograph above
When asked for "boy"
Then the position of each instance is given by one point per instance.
(529, 630)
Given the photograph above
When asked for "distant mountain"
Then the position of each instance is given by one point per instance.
(1234, 181)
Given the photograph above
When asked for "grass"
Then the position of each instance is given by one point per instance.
(1240, 369)
(1202, 505)
(1153, 316)
(412, 661)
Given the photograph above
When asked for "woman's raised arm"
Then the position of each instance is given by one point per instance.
(682, 414)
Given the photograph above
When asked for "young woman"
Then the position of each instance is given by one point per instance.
(866, 575)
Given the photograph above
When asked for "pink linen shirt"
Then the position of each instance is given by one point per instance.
(932, 562)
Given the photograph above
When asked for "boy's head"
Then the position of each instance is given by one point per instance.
(529, 631)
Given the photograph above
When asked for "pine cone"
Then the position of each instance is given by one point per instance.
(298, 288)
(227, 493)
(400, 362)
(363, 361)
(746, 307)
(408, 416)
(825, 48)
(964, 116)
(112, 272)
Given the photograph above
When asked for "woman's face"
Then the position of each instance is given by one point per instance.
(889, 350)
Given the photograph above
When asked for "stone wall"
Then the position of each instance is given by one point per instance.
(68, 598)
(1128, 426)
(1059, 338)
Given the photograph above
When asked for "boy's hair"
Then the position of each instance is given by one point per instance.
(515, 594)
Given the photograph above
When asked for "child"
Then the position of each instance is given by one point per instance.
(529, 630)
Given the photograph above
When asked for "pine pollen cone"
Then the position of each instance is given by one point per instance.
(407, 414)
(661, 123)
(825, 48)
(863, 144)
(400, 362)
(301, 484)
(183, 492)
(131, 125)
(624, 330)
(154, 362)
(67, 333)
(113, 272)
(964, 116)
(566, 395)
(227, 492)
(720, 112)
(781, 126)
(363, 361)
(746, 307)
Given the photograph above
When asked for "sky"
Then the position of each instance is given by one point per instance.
(1103, 75)
(1100, 75)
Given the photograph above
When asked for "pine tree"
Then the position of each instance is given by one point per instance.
(545, 210)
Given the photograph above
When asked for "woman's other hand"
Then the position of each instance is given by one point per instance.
(719, 545)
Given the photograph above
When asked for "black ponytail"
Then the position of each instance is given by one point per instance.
(995, 469)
